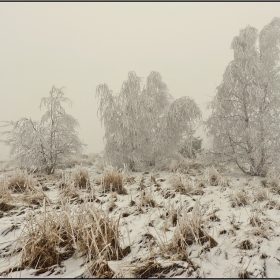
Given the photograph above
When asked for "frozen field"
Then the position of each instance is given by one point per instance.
(198, 223)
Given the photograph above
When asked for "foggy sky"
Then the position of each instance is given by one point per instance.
(81, 45)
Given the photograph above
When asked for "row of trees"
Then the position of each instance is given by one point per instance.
(143, 123)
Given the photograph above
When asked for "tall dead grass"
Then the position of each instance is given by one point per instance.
(214, 178)
(81, 177)
(54, 236)
(5, 193)
(21, 181)
(180, 184)
(183, 185)
(82, 160)
(189, 230)
(239, 197)
(273, 181)
(114, 181)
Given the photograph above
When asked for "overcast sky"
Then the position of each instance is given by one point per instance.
(81, 45)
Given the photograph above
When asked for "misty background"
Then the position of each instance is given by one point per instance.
(81, 45)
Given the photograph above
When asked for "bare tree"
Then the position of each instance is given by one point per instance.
(245, 111)
(46, 143)
(142, 124)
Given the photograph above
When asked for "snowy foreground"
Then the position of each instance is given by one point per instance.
(239, 213)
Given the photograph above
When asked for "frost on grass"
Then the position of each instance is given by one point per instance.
(113, 180)
(52, 237)
(21, 181)
(190, 229)
(81, 177)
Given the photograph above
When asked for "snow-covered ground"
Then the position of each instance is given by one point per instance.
(147, 228)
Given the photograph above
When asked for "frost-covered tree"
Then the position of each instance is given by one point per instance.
(245, 111)
(46, 143)
(141, 123)
(122, 115)
(180, 121)
(156, 101)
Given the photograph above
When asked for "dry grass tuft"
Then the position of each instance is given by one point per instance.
(81, 177)
(189, 230)
(261, 227)
(5, 193)
(243, 274)
(255, 219)
(214, 178)
(65, 180)
(211, 176)
(113, 181)
(155, 269)
(261, 194)
(69, 192)
(245, 245)
(98, 235)
(98, 268)
(84, 160)
(273, 181)
(239, 197)
(55, 236)
(180, 184)
(101, 165)
(5, 207)
(146, 200)
(34, 196)
(171, 216)
(21, 181)
(262, 231)
(181, 165)
(39, 243)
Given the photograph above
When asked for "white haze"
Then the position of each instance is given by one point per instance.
(80, 45)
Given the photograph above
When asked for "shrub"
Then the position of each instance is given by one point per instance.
(191, 146)
(46, 143)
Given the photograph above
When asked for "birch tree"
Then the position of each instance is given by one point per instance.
(46, 143)
(122, 115)
(245, 117)
(140, 122)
